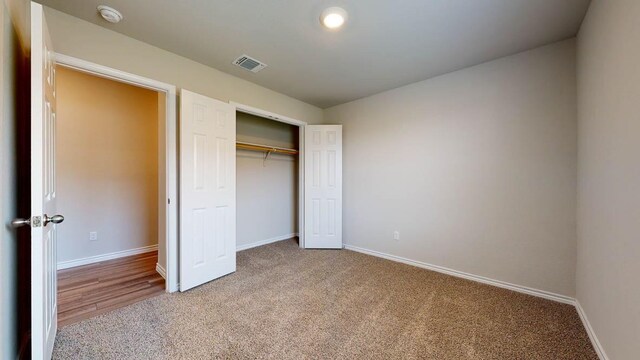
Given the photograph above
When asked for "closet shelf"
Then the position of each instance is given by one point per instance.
(266, 148)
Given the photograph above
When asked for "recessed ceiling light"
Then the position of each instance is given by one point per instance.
(110, 14)
(333, 18)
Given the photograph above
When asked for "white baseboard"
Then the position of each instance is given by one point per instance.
(265, 242)
(161, 271)
(505, 285)
(592, 335)
(104, 257)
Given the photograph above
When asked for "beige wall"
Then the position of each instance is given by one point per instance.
(81, 39)
(255, 129)
(266, 196)
(608, 288)
(476, 169)
(107, 165)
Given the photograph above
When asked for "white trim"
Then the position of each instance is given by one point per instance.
(265, 242)
(110, 73)
(481, 279)
(104, 257)
(160, 270)
(592, 335)
(266, 114)
(171, 222)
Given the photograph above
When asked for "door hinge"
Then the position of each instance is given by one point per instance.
(169, 201)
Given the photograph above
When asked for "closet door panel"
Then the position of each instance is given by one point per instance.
(323, 187)
(207, 189)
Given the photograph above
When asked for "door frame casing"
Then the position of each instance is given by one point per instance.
(171, 149)
(301, 128)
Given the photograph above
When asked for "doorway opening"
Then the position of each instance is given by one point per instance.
(267, 180)
(270, 177)
(110, 167)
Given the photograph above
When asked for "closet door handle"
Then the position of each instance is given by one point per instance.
(56, 219)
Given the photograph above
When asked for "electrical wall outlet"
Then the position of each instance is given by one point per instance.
(93, 236)
(396, 235)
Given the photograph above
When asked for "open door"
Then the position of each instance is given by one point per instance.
(323, 187)
(207, 189)
(43, 222)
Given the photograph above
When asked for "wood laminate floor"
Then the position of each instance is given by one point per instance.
(91, 290)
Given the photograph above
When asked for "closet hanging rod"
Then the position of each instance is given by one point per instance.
(266, 148)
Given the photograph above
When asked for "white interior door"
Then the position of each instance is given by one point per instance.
(43, 189)
(323, 187)
(207, 189)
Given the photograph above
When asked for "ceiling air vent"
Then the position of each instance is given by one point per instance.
(249, 63)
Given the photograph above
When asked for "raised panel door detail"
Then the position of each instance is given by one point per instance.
(51, 275)
(331, 137)
(46, 147)
(316, 168)
(198, 112)
(199, 161)
(316, 216)
(221, 119)
(221, 231)
(52, 168)
(222, 154)
(47, 276)
(199, 233)
(47, 64)
(331, 168)
(331, 217)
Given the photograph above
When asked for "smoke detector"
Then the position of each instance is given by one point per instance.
(110, 14)
(248, 63)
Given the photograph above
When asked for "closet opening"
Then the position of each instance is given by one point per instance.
(110, 173)
(269, 178)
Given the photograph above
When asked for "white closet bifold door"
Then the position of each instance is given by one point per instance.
(207, 189)
(323, 187)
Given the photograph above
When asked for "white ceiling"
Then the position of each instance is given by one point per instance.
(385, 43)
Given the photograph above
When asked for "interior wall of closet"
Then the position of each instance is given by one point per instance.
(266, 180)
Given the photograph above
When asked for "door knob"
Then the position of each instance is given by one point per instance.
(56, 219)
(16, 223)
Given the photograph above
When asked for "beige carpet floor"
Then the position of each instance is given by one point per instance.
(287, 303)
